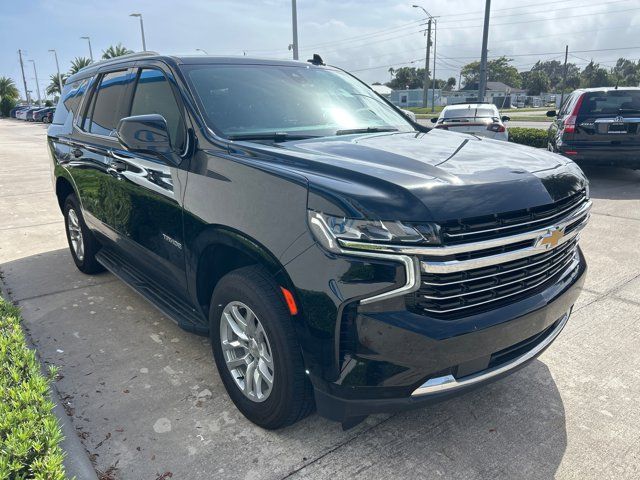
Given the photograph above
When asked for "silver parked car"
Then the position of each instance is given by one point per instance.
(476, 118)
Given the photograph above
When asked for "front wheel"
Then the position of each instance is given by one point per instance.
(256, 349)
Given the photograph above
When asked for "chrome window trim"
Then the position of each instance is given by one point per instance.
(444, 251)
(448, 383)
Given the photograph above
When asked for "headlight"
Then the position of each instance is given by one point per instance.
(328, 230)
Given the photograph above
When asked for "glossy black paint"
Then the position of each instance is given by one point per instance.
(182, 219)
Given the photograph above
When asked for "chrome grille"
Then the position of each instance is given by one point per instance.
(465, 278)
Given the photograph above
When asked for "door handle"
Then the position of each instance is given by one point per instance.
(76, 152)
(118, 165)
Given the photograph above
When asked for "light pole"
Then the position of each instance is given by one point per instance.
(202, 50)
(55, 54)
(294, 21)
(90, 50)
(35, 72)
(144, 43)
(425, 87)
(433, 82)
(24, 79)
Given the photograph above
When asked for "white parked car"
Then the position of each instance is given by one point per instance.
(476, 118)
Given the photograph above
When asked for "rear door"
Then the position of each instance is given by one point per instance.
(609, 118)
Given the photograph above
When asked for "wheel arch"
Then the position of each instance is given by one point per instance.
(218, 250)
(64, 188)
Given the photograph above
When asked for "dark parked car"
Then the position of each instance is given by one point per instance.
(599, 126)
(48, 117)
(334, 252)
(39, 115)
(31, 114)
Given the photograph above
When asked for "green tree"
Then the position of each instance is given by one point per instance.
(537, 82)
(451, 82)
(115, 51)
(54, 83)
(8, 89)
(626, 73)
(594, 75)
(498, 70)
(78, 64)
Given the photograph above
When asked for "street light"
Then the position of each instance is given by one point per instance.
(90, 51)
(202, 50)
(144, 43)
(35, 72)
(55, 54)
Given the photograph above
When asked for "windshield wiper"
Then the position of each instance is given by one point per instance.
(366, 130)
(274, 136)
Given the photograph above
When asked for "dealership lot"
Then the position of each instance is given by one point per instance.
(146, 399)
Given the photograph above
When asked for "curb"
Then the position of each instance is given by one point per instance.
(76, 460)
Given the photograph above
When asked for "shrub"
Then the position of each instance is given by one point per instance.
(6, 104)
(533, 137)
(29, 432)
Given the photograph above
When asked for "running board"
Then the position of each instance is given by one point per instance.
(175, 308)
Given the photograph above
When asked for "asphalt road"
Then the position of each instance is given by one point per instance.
(145, 397)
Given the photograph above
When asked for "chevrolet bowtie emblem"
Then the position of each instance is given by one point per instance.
(551, 238)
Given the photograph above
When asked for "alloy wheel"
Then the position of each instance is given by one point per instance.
(75, 234)
(246, 350)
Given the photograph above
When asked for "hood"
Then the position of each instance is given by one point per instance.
(434, 176)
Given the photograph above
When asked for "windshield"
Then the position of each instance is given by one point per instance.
(481, 112)
(611, 102)
(297, 101)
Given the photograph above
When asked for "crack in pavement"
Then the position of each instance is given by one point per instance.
(33, 297)
(30, 226)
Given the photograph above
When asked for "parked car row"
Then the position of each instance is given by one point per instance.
(32, 113)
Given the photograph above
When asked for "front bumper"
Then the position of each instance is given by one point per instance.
(403, 360)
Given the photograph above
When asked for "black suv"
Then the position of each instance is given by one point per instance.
(599, 126)
(335, 253)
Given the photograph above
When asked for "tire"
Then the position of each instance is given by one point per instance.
(290, 396)
(77, 231)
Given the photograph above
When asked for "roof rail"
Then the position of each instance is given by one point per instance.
(128, 56)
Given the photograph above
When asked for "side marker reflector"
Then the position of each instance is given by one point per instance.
(291, 303)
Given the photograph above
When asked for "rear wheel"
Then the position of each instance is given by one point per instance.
(256, 349)
(82, 243)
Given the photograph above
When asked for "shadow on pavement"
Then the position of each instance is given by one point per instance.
(613, 183)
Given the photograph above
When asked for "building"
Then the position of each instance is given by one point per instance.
(413, 97)
(498, 93)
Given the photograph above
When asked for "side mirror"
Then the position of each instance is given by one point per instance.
(146, 134)
(551, 113)
(505, 118)
(434, 120)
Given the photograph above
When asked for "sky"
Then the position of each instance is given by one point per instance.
(364, 37)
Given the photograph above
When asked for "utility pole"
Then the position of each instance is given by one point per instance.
(24, 80)
(35, 72)
(433, 82)
(294, 21)
(482, 83)
(425, 88)
(460, 80)
(564, 76)
(55, 54)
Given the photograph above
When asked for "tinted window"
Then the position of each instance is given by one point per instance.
(471, 112)
(248, 100)
(104, 113)
(612, 102)
(70, 100)
(154, 95)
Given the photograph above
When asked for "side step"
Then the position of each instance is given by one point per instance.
(175, 308)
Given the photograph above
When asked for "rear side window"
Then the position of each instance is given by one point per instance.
(103, 114)
(153, 94)
(613, 102)
(70, 99)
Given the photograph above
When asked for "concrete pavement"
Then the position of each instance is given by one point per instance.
(145, 397)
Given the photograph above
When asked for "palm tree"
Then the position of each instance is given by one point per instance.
(8, 89)
(116, 51)
(54, 84)
(79, 63)
(391, 72)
